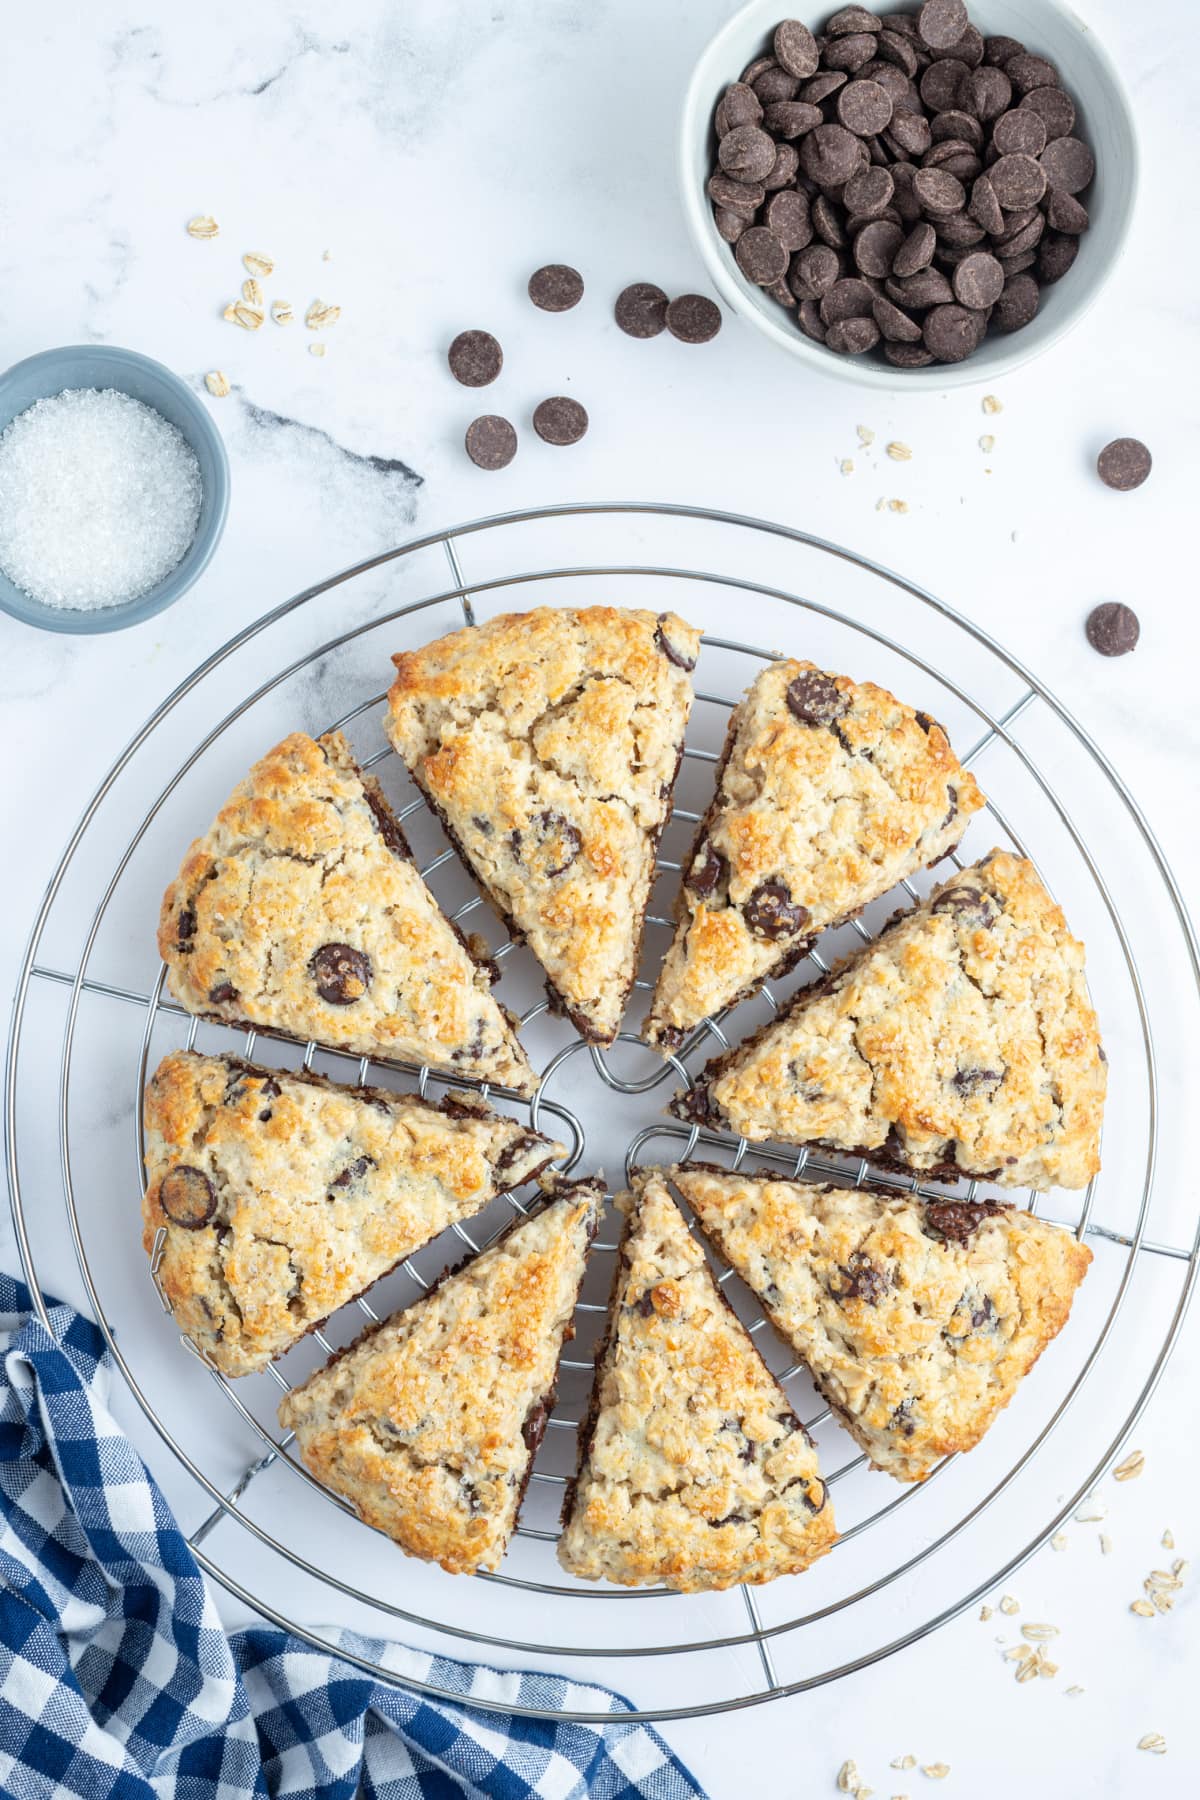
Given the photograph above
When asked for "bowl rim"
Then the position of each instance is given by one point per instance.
(195, 559)
(856, 369)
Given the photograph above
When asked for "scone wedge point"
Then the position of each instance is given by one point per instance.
(917, 1320)
(429, 1424)
(548, 743)
(281, 1196)
(301, 911)
(962, 1042)
(694, 1470)
(828, 793)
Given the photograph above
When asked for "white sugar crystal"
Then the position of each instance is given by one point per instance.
(99, 498)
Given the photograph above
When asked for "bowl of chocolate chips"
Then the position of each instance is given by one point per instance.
(929, 194)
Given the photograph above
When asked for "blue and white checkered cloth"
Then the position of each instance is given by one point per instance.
(117, 1678)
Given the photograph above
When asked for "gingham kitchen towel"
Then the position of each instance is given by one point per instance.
(117, 1678)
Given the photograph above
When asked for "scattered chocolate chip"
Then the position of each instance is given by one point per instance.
(341, 973)
(959, 1220)
(709, 869)
(849, 298)
(850, 52)
(989, 92)
(1124, 464)
(815, 699)
(928, 287)
(945, 86)
(999, 50)
(547, 845)
(491, 441)
(693, 318)
(908, 356)
(1113, 629)
(674, 652)
(730, 224)
(938, 191)
(560, 420)
(187, 1197)
(851, 19)
(475, 358)
(916, 252)
(760, 257)
(556, 288)
(641, 310)
(909, 132)
(770, 912)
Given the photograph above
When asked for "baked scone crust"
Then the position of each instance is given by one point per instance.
(694, 1471)
(429, 1424)
(829, 792)
(962, 1042)
(548, 743)
(916, 1321)
(295, 1195)
(305, 878)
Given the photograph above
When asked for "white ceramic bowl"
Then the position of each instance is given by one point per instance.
(1105, 120)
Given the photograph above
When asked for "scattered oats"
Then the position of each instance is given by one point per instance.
(987, 443)
(866, 436)
(217, 383)
(238, 313)
(327, 256)
(1143, 1609)
(1047, 1670)
(203, 227)
(1131, 1468)
(1105, 1544)
(321, 315)
(848, 1776)
(1059, 1541)
(899, 1797)
(1028, 1670)
(991, 404)
(258, 264)
(985, 1612)
(1074, 1691)
(1178, 1566)
(1039, 1634)
(317, 349)
(1168, 1540)
(847, 465)
(898, 506)
(935, 1771)
(880, 504)
(252, 293)
(281, 312)
(899, 452)
(1009, 1605)
(901, 1762)
(861, 1793)
(1155, 1742)
(1019, 1653)
(1161, 1578)
(1162, 1603)
(1091, 1511)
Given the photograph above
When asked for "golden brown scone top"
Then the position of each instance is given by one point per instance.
(422, 1424)
(830, 792)
(697, 1473)
(301, 911)
(963, 1039)
(549, 743)
(917, 1321)
(281, 1197)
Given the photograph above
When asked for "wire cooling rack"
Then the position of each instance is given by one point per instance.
(92, 1016)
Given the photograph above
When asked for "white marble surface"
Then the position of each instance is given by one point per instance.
(440, 151)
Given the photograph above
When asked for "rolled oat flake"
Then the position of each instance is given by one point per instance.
(1124, 464)
(491, 442)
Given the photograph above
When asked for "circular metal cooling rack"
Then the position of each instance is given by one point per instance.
(921, 1553)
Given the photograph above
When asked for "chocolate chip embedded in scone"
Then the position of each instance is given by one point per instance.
(963, 1041)
(301, 911)
(917, 1322)
(829, 793)
(280, 1196)
(548, 743)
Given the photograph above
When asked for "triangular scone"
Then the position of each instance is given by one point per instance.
(548, 743)
(962, 1042)
(429, 1424)
(302, 911)
(829, 792)
(281, 1196)
(916, 1321)
(694, 1470)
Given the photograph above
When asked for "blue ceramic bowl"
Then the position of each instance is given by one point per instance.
(104, 366)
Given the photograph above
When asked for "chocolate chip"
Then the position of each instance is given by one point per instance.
(1019, 133)
(491, 441)
(849, 298)
(908, 356)
(895, 324)
(353, 1172)
(773, 85)
(916, 252)
(475, 358)
(222, 993)
(978, 280)
(796, 48)
(740, 105)
(860, 1279)
(784, 170)
(789, 220)
(864, 108)
(516, 1152)
(814, 271)
(941, 23)
(1124, 464)
(972, 905)
(808, 317)
(729, 224)
(815, 699)
(746, 151)
(1055, 109)
(849, 52)
(709, 869)
(961, 128)
(341, 973)
(823, 85)
(854, 336)
(976, 1081)
(851, 19)
(1029, 72)
(984, 207)
(928, 287)
(770, 912)
(827, 222)
(694, 318)
(737, 196)
(830, 155)
(945, 86)
(989, 93)
(1113, 628)
(939, 192)
(641, 310)
(897, 49)
(1065, 213)
(959, 1220)
(386, 823)
(1056, 253)
(984, 1313)
(185, 927)
(547, 845)
(1069, 165)
(556, 288)
(866, 194)
(679, 654)
(187, 1197)
(560, 420)
(876, 246)
(761, 257)
(791, 118)
(909, 132)
(999, 50)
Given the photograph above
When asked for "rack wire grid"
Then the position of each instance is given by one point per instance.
(89, 1001)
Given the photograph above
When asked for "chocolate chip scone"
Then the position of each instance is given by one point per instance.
(548, 743)
(829, 792)
(429, 1424)
(301, 911)
(281, 1196)
(916, 1321)
(694, 1470)
(962, 1042)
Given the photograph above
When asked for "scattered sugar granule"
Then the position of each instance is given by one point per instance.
(99, 498)
(258, 264)
(987, 443)
(991, 404)
(899, 452)
(1131, 1468)
(203, 227)
(865, 436)
(217, 383)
